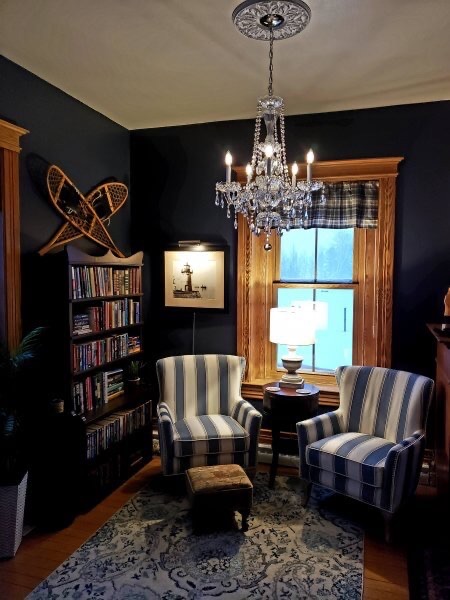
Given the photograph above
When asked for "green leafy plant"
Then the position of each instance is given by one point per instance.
(14, 386)
(134, 369)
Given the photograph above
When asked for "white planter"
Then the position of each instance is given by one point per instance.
(12, 506)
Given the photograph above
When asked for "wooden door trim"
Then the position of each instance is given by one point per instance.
(10, 317)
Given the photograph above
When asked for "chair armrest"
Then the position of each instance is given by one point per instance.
(164, 413)
(315, 429)
(250, 419)
(319, 427)
(165, 430)
(245, 413)
(402, 471)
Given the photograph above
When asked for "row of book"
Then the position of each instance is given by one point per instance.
(99, 352)
(96, 390)
(112, 429)
(91, 282)
(108, 315)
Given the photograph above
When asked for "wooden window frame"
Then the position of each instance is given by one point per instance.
(373, 270)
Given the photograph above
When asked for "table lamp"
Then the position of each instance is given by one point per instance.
(294, 327)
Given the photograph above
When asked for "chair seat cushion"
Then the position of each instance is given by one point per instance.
(358, 456)
(209, 434)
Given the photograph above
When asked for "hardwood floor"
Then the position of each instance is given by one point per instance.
(385, 568)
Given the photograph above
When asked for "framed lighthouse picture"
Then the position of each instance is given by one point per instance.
(194, 277)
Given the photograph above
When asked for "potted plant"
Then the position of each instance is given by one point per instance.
(14, 378)
(134, 372)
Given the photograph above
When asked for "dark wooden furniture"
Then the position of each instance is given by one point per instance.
(441, 413)
(113, 418)
(285, 407)
(216, 489)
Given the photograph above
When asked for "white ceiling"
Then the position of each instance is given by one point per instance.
(152, 63)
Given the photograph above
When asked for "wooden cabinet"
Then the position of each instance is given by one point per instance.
(441, 413)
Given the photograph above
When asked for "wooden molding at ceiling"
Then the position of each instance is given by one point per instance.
(10, 315)
(10, 136)
(340, 170)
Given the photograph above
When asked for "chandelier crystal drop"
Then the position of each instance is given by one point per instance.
(271, 199)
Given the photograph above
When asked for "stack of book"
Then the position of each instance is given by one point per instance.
(110, 430)
(112, 384)
(114, 313)
(96, 353)
(96, 390)
(134, 344)
(81, 324)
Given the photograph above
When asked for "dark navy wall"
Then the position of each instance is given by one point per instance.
(86, 145)
(174, 171)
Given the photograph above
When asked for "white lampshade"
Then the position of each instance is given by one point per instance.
(291, 326)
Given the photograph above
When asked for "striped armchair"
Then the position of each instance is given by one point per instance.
(371, 447)
(202, 418)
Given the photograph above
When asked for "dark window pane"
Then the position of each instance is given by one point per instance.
(335, 254)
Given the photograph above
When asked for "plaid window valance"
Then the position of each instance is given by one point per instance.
(348, 204)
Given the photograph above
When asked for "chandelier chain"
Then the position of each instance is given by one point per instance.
(270, 88)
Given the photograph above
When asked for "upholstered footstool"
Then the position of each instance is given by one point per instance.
(219, 488)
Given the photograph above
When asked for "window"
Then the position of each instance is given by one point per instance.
(323, 258)
(356, 281)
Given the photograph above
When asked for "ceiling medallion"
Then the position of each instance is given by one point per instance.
(255, 19)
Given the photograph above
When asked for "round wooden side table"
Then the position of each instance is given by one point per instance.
(285, 407)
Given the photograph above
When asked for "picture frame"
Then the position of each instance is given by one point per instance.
(195, 277)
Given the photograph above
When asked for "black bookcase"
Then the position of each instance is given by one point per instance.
(93, 307)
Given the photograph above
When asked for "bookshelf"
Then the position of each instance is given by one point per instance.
(94, 309)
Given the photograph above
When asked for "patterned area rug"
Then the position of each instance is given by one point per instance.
(148, 551)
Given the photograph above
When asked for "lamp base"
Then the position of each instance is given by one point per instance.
(292, 363)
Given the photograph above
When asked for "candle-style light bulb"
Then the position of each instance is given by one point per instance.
(294, 170)
(249, 171)
(309, 161)
(228, 162)
(268, 150)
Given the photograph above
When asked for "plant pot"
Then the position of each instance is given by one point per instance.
(12, 506)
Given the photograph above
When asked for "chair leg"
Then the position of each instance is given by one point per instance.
(388, 519)
(306, 493)
(250, 472)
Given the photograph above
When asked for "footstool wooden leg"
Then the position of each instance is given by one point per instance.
(245, 515)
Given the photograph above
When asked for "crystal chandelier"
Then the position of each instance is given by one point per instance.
(271, 199)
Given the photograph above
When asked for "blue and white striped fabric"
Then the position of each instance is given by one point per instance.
(371, 448)
(209, 434)
(202, 417)
(383, 402)
(355, 455)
